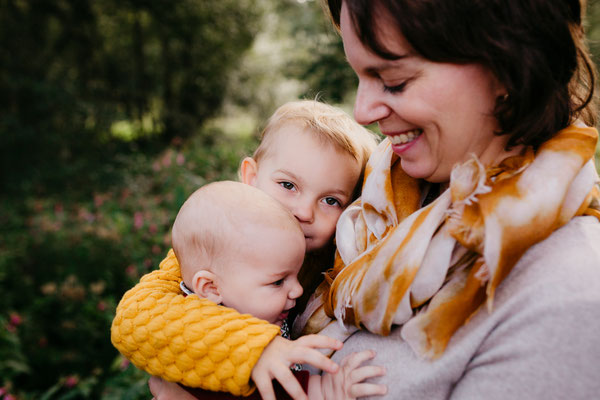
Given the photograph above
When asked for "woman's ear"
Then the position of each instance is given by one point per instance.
(248, 171)
(204, 284)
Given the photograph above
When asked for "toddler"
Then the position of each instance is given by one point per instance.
(239, 247)
(311, 159)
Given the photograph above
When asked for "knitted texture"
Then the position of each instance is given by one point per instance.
(188, 340)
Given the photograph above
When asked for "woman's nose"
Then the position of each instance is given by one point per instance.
(368, 107)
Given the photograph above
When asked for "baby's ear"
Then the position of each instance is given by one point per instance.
(204, 284)
(248, 171)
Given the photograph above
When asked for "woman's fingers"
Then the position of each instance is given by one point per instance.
(290, 384)
(154, 384)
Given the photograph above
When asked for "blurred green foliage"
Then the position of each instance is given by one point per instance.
(112, 113)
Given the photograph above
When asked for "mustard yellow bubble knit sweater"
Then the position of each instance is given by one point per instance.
(186, 339)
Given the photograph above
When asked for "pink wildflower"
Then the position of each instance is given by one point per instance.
(166, 159)
(138, 220)
(98, 200)
(15, 319)
(71, 381)
(180, 159)
(131, 270)
(124, 364)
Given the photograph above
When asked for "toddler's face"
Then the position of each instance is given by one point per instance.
(315, 181)
(262, 277)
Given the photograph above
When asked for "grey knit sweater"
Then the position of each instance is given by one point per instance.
(541, 341)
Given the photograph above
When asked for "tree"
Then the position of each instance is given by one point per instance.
(76, 73)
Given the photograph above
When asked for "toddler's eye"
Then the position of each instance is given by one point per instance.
(287, 185)
(279, 282)
(332, 201)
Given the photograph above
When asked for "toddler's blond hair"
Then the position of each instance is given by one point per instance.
(329, 124)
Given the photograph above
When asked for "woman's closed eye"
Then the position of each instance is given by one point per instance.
(287, 185)
(394, 89)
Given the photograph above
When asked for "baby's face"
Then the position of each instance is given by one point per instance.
(262, 277)
(315, 181)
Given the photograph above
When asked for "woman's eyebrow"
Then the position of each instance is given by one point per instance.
(388, 65)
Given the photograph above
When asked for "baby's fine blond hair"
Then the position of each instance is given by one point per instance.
(329, 124)
(208, 225)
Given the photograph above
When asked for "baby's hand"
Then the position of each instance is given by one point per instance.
(348, 382)
(280, 354)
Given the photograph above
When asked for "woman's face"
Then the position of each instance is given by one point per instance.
(435, 114)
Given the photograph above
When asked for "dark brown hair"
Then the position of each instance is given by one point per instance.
(535, 48)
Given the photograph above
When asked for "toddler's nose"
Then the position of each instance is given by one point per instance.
(303, 211)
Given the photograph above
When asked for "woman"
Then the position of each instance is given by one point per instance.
(471, 260)
(494, 96)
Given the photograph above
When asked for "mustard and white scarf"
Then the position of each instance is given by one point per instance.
(430, 269)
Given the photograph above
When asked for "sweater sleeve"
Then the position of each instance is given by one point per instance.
(188, 340)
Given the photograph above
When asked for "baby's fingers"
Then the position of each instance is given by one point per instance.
(353, 360)
(366, 372)
(367, 389)
(320, 342)
(314, 358)
(290, 384)
(265, 386)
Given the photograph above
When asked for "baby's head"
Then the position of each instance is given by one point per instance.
(311, 158)
(239, 247)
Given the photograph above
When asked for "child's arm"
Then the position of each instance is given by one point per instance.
(185, 339)
(348, 382)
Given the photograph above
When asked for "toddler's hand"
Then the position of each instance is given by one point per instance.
(348, 382)
(280, 354)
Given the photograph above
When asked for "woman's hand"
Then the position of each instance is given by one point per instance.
(164, 390)
(348, 383)
(280, 354)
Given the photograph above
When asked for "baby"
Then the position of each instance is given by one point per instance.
(239, 247)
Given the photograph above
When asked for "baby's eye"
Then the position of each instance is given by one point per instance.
(287, 185)
(332, 201)
(279, 282)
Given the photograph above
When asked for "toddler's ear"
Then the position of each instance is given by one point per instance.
(205, 285)
(248, 171)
